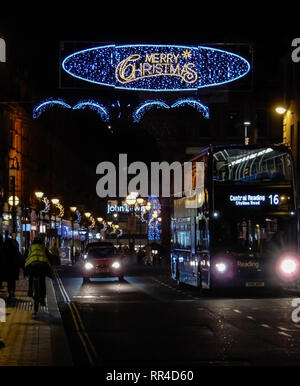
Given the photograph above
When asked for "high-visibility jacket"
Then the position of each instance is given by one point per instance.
(37, 253)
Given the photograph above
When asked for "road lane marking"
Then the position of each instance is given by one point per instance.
(237, 311)
(265, 325)
(284, 333)
(283, 328)
(250, 317)
(79, 326)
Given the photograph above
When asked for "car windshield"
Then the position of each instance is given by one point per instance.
(97, 253)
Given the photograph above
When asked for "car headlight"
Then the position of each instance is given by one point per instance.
(116, 265)
(88, 266)
(288, 266)
(221, 267)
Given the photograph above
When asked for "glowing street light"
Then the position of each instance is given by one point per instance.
(13, 200)
(55, 201)
(39, 195)
(280, 110)
(73, 209)
(131, 199)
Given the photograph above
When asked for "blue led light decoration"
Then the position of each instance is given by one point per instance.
(151, 67)
(48, 103)
(96, 106)
(154, 225)
(147, 105)
(193, 103)
(51, 102)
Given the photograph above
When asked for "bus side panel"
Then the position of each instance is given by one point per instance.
(185, 268)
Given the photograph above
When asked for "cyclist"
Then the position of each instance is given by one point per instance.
(38, 264)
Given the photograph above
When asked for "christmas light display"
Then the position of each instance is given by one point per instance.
(46, 201)
(147, 105)
(154, 223)
(48, 103)
(151, 67)
(94, 105)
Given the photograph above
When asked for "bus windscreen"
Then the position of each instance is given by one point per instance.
(251, 166)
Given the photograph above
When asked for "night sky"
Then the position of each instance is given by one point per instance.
(33, 40)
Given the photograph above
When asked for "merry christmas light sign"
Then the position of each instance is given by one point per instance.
(149, 67)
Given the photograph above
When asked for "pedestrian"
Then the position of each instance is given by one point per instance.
(140, 256)
(12, 263)
(148, 256)
(1, 262)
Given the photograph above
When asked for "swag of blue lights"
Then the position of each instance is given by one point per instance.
(51, 102)
(103, 111)
(150, 67)
(149, 104)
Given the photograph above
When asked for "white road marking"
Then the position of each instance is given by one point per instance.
(283, 328)
(284, 333)
(265, 325)
(237, 311)
(250, 317)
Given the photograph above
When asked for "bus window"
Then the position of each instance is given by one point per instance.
(249, 234)
(202, 234)
(182, 233)
(248, 166)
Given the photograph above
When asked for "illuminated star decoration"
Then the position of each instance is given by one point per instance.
(147, 105)
(186, 54)
(94, 105)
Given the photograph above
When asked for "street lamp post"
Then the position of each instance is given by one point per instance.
(55, 201)
(73, 211)
(39, 195)
(246, 125)
(131, 200)
(87, 215)
(15, 201)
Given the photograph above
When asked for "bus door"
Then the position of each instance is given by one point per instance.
(202, 251)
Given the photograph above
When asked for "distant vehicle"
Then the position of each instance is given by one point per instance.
(102, 260)
(240, 229)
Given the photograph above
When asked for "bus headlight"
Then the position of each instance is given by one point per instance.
(116, 265)
(221, 267)
(288, 266)
(88, 266)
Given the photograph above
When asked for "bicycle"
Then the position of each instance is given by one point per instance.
(36, 294)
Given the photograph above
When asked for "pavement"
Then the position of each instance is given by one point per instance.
(28, 340)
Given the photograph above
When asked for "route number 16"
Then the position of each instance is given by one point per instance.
(274, 199)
